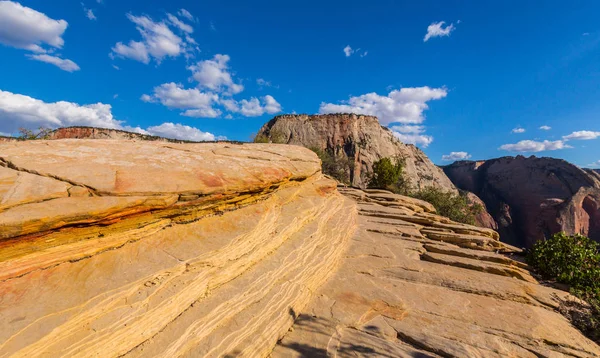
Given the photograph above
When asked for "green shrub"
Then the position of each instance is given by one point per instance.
(387, 173)
(337, 167)
(453, 206)
(261, 138)
(573, 260)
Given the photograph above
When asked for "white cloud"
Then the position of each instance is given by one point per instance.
(180, 131)
(535, 146)
(545, 128)
(403, 106)
(186, 14)
(90, 14)
(595, 164)
(214, 75)
(453, 156)
(63, 64)
(408, 129)
(193, 101)
(364, 54)
(437, 29)
(18, 110)
(158, 41)
(518, 130)
(582, 135)
(180, 24)
(416, 139)
(25, 28)
(134, 50)
(252, 107)
(348, 51)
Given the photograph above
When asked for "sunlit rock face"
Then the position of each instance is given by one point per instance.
(122, 248)
(532, 198)
(359, 139)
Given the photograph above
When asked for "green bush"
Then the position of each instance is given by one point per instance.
(337, 167)
(261, 138)
(453, 206)
(387, 174)
(274, 136)
(573, 260)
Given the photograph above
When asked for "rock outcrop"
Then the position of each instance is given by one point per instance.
(532, 198)
(151, 249)
(104, 133)
(359, 139)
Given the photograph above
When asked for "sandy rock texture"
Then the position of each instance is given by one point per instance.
(359, 139)
(532, 198)
(120, 248)
(142, 249)
(413, 284)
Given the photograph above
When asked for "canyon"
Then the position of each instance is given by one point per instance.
(128, 248)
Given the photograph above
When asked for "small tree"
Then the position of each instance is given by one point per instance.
(453, 206)
(386, 173)
(337, 167)
(27, 134)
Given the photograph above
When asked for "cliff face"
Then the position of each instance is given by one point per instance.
(532, 198)
(359, 138)
(119, 248)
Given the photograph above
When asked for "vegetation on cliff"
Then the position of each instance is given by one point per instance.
(388, 173)
(573, 260)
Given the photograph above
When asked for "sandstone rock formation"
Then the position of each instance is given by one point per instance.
(359, 138)
(415, 285)
(532, 198)
(154, 249)
(103, 133)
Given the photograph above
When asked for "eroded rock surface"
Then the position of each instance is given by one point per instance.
(115, 248)
(532, 198)
(413, 284)
(359, 139)
(142, 249)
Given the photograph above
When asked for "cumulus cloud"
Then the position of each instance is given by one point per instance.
(582, 135)
(595, 164)
(348, 51)
(28, 29)
(518, 130)
(63, 64)
(158, 40)
(192, 100)
(214, 75)
(90, 14)
(18, 111)
(437, 29)
(180, 131)
(253, 107)
(454, 156)
(535, 146)
(545, 128)
(405, 106)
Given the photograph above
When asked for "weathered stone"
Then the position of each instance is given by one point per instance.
(359, 139)
(532, 198)
(272, 264)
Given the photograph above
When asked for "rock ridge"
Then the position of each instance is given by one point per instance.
(356, 138)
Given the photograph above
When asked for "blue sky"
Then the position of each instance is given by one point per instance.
(480, 86)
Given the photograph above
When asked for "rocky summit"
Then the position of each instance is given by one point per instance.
(533, 198)
(127, 248)
(358, 139)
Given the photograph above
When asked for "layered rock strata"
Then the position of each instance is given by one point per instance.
(116, 248)
(533, 198)
(413, 284)
(359, 140)
(113, 248)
